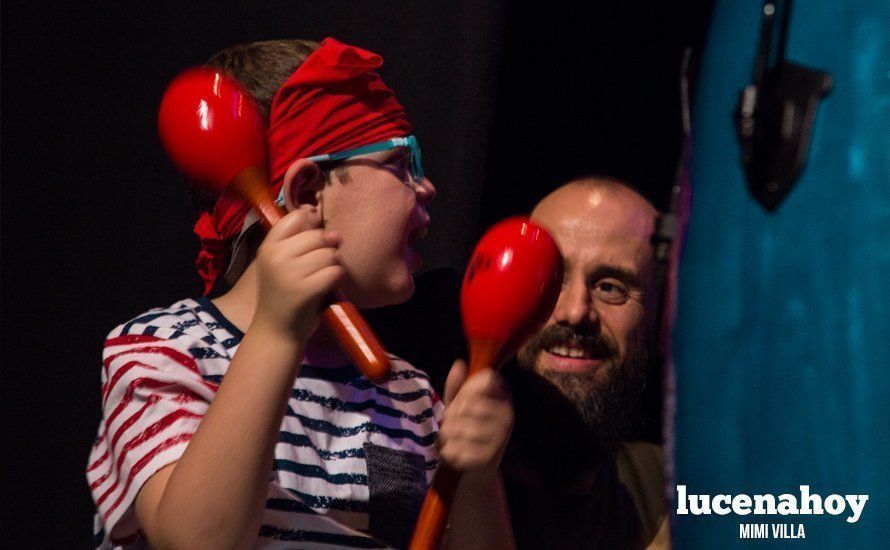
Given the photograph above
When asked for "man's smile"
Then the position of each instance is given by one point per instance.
(569, 357)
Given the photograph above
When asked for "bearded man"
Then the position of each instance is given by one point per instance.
(573, 476)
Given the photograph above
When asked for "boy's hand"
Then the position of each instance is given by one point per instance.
(297, 268)
(477, 421)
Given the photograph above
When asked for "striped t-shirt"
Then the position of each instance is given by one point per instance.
(353, 458)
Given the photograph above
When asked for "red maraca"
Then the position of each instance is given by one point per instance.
(509, 290)
(214, 134)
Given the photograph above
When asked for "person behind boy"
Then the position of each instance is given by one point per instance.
(237, 421)
(575, 477)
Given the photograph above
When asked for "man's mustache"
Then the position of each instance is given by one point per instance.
(598, 345)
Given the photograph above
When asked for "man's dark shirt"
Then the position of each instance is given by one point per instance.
(566, 493)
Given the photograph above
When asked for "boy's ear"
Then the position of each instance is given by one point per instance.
(303, 181)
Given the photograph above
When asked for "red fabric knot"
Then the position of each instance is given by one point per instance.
(214, 229)
(334, 101)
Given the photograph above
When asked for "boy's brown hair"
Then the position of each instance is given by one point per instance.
(260, 68)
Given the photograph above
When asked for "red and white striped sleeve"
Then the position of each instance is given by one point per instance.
(153, 398)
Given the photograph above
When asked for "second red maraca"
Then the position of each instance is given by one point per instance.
(509, 290)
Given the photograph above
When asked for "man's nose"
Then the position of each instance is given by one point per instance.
(574, 306)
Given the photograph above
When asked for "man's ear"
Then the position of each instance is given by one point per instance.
(303, 181)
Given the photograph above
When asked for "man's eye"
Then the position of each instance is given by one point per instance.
(611, 292)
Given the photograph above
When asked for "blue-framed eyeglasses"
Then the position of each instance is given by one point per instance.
(415, 166)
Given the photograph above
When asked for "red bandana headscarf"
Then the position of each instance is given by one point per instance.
(334, 101)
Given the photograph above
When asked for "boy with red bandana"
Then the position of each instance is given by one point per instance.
(238, 422)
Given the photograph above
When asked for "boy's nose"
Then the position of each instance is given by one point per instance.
(426, 191)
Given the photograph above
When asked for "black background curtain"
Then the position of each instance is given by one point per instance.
(508, 101)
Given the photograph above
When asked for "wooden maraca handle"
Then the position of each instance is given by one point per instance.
(346, 323)
(509, 290)
(433, 516)
(356, 337)
(436, 508)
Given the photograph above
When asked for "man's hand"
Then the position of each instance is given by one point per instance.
(297, 268)
(477, 421)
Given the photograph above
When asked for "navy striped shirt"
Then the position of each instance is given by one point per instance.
(346, 444)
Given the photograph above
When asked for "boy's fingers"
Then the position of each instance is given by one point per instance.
(295, 221)
(309, 241)
(455, 380)
(484, 408)
(486, 383)
(324, 280)
(312, 261)
(331, 238)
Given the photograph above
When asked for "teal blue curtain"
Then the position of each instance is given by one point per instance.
(782, 342)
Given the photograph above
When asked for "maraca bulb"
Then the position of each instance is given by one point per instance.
(510, 287)
(211, 128)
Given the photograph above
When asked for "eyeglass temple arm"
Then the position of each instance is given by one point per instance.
(373, 148)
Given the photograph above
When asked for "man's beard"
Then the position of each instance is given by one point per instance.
(604, 399)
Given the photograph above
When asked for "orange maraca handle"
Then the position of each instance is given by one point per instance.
(356, 337)
(436, 508)
(433, 516)
(342, 318)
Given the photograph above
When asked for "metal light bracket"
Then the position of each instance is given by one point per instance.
(776, 112)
